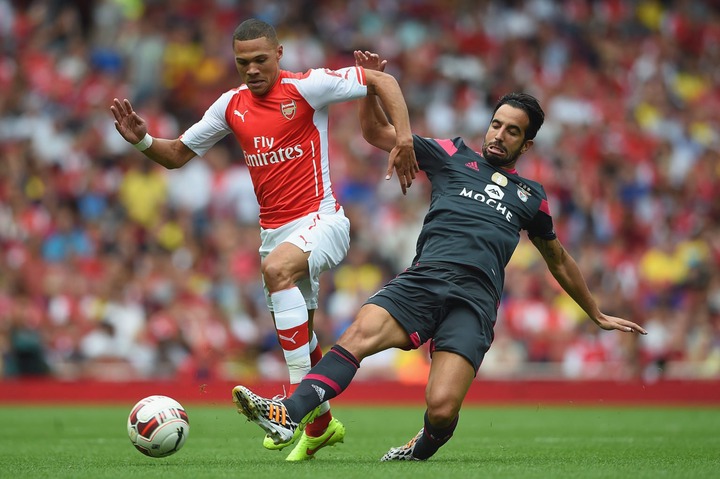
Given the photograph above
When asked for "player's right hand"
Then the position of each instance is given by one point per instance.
(402, 157)
(402, 160)
(128, 123)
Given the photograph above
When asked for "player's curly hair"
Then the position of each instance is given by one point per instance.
(530, 106)
(253, 28)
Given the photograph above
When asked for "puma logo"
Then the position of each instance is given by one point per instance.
(241, 115)
(290, 339)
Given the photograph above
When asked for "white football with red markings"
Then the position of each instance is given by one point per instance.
(158, 426)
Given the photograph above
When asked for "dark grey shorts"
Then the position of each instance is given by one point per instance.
(452, 306)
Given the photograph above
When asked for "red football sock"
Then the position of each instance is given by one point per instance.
(319, 425)
(315, 355)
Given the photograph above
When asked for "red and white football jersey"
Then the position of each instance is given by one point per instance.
(284, 137)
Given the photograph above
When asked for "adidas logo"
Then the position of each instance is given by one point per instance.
(320, 392)
(473, 165)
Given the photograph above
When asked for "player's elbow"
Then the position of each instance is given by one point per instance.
(369, 132)
(171, 162)
(378, 136)
(174, 164)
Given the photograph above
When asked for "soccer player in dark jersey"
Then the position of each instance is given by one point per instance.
(450, 294)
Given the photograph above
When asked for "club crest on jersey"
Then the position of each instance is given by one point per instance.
(288, 109)
(522, 195)
(499, 179)
(525, 188)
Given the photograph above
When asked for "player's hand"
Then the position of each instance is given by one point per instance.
(369, 60)
(609, 323)
(402, 157)
(402, 160)
(128, 123)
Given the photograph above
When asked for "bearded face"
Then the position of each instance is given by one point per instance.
(505, 138)
(498, 155)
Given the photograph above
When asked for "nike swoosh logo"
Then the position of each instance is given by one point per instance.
(310, 452)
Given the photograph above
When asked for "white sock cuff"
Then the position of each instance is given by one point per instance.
(324, 407)
(313, 342)
(287, 299)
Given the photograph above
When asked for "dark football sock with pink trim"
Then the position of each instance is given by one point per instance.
(326, 380)
(433, 438)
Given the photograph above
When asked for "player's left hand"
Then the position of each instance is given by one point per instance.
(609, 323)
(369, 60)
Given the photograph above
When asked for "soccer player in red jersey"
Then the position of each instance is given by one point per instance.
(280, 119)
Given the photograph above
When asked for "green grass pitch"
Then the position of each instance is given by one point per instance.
(503, 442)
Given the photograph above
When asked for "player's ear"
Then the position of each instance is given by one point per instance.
(526, 146)
(279, 52)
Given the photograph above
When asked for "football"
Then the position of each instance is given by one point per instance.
(158, 426)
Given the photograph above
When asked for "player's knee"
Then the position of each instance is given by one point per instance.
(361, 340)
(442, 408)
(277, 275)
(355, 340)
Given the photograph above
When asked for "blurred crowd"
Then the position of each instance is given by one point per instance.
(112, 267)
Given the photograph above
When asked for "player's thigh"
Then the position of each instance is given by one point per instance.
(373, 330)
(326, 237)
(322, 239)
(326, 240)
(305, 248)
(467, 327)
(331, 242)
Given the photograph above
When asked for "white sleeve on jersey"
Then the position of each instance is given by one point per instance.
(323, 86)
(211, 128)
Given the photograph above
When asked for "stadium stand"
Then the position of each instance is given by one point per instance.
(114, 268)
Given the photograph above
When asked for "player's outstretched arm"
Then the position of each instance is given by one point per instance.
(374, 123)
(567, 273)
(377, 130)
(132, 127)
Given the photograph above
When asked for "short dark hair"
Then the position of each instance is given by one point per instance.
(530, 106)
(253, 28)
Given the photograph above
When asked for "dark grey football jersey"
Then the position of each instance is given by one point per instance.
(477, 210)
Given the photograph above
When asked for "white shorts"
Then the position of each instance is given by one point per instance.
(325, 236)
